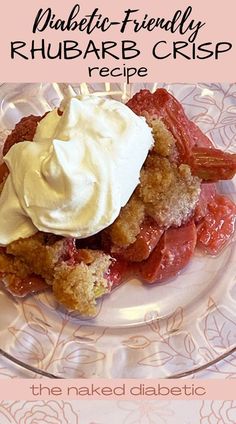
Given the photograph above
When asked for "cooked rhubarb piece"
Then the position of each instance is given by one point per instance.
(146, 241)
(212, 164)
(163, 105)
(218, 226)
(24, 130)
(194, 147)
(171, 255)
(208, 193)
(117, 272)
(22, 287)
(3, 172)
(199, 139)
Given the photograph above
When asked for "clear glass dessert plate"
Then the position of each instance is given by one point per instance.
(164, 330)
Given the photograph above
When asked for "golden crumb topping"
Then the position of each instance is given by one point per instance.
(169, 193)
(127, 226)
(76, 283)
(164, 141)
(13, 265)
(39, 256)
(78, 287)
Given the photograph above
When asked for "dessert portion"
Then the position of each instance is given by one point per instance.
(80, 170)
(106, 191)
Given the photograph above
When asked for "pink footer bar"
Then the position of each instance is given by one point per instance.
(44, 389)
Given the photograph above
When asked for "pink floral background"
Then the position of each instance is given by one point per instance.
(44, 337)
(118, 412)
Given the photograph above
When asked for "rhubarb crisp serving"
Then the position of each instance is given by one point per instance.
(96, 192)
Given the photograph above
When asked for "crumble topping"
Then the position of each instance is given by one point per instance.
(170, 193)
(13, 265)
(164, 141)
(167, 193)
(76, 282)
(37, 255)
(125, 229)
(78, 287)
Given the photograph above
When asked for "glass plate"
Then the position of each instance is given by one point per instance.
(165, 330)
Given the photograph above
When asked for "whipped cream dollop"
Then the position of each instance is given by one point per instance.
(78, 172)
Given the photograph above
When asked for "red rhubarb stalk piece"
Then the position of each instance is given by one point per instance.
(212, 164)
(218, 226)
(23, 131)
(22, 287)
(194, 147)
(147, 239)
(3, 172)
(207, 195)
(117, 272)
(163, 105)
(171, 255)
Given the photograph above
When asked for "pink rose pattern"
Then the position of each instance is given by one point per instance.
(31, 412)
(49, 339)
(217, 412)
(118, 412)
